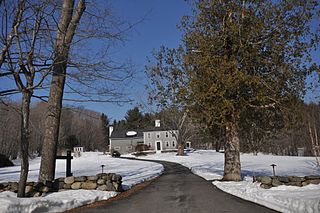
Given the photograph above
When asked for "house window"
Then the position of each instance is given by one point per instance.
(129, 147)
(167, 144)
(173, 144)
(116, 148)
(149, 135)
(158, 135)
(172, 134)
(167, 134)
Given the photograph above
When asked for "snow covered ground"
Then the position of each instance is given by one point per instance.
(209, 165)
(133, 172)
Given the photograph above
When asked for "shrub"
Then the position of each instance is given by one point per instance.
(4, 161)
(142, 147)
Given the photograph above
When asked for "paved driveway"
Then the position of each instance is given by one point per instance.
(178, 190)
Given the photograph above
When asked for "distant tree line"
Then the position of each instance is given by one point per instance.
(79, 127)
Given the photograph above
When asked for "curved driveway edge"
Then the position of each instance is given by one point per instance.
(178, 190)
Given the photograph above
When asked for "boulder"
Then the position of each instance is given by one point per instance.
(276, 182)
(13, 186)
(69, 180)
(92, 178)
(59, 179)
(283, 179)
(294, 183)
(100, 181)
(296, 179)
(101, 175)
(102, 188)
(313, 181)
(28, 189)
(312, 177)
(44, 189)
(89, 185)
(80, 179)
(117, 186)
(58, 185)
(66, 186)
(37, 194)
(110, 186)
(116, 178)
(265, 186)
(30, 183)
(266, 180)
(76, 185)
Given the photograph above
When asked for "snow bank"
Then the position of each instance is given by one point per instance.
(132, 172)
(282, 198)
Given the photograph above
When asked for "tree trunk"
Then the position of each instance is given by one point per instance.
(52, 123)
(180, 151)
(24, 143)
(232, 167)
(66, 29)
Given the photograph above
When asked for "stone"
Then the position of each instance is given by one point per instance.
(283, 179)
(110, 186)
(294, 183)
(58, 185)
(110, 175)
(76, 185)
(92, 178)
(1, 186)
(89, 185)
(49, 184)
(59, 179)
(37, 194)
(13, 186)
(266, 180)
(67, 186)
(304, 183)
(265, 186)
(276, 182)
(28, 189)
(314, 181)
(101, 175)
(116, 178)
(29, 183)
(44, 189)
(102, 188)
(296, 179)
(69, 180)
(117, 186)
(312, 177)
(100, 181)
(80, 179)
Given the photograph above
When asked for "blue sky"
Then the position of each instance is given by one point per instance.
(158, 27)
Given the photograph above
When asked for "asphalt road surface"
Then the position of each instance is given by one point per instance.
(178, 190)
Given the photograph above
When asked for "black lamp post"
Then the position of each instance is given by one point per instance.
(273, 170)
(102, 168)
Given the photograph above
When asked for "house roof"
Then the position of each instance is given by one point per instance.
(122, 133)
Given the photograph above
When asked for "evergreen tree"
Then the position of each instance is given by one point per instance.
(236, 57)
(133, 118)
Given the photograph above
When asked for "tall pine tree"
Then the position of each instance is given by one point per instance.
(239, 56)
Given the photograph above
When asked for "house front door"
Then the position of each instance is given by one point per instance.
(158, 146)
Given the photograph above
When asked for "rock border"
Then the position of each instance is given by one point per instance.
(101, 181)
(268, 182)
